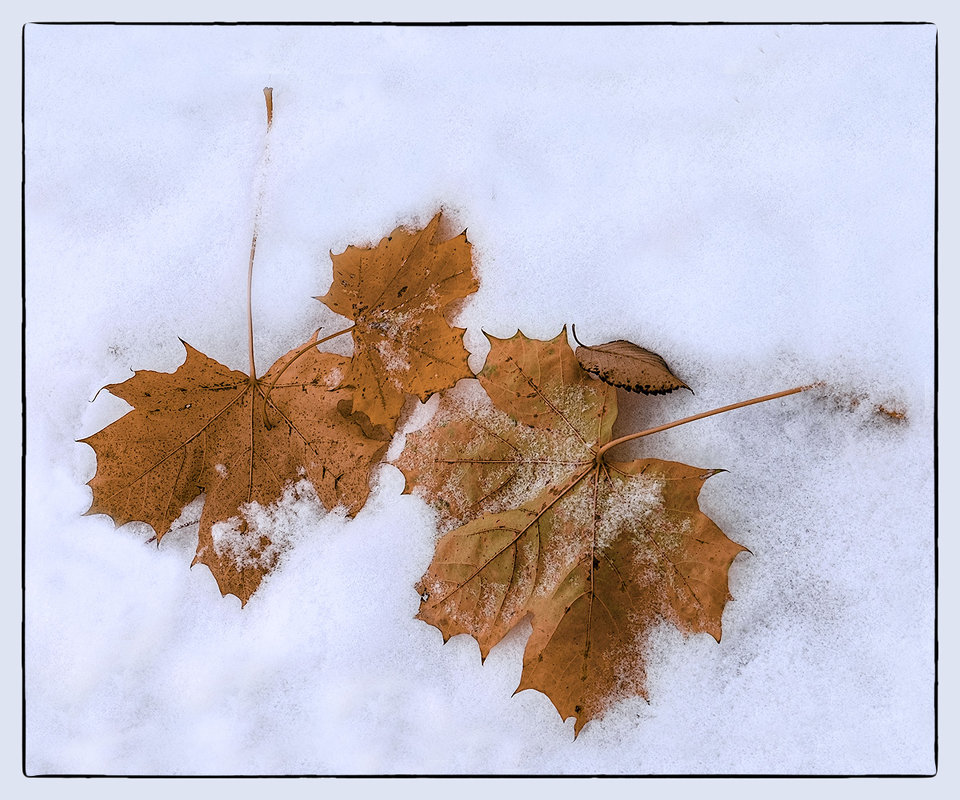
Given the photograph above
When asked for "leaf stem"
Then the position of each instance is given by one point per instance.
(300, 351)
(253, 250)
(703, 414)
(268, 97)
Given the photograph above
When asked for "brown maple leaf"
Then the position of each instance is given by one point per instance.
(209, 429)
(595, 552)
(397, 293)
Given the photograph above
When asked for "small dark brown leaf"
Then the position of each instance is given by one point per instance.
(629, 366)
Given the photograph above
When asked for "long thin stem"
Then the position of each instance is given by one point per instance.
(268, 97)
(253, 251)
(720, 410)
(300, 351)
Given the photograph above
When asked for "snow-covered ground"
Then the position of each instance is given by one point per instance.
(754, 203)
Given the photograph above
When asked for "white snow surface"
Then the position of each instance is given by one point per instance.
(754, 203)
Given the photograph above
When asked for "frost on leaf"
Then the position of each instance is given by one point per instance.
(596, 552)
(206, 429)
(397, 293)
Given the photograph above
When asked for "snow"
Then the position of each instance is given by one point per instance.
(271, 529)
(753, 203)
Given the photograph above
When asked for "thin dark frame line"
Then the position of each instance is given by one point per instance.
(936, 403)
(23, 398)
(478, 23)
(482, 775)
(23, 383)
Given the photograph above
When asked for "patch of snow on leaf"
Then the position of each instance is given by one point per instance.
(265, 533)
(333, 378)
(579, 404)
(536, 458)
(395, 357)
(632, 503)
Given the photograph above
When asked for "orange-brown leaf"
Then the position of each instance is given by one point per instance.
(596, 553)
(397, 293)
(629, 366)
(204, 429)
(477, 456)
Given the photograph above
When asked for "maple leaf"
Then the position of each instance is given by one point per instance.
(629, 366)
(397, 293)
(208, 429)
(595, 552)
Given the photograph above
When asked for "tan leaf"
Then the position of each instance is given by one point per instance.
(596, 552)
(204, 429)
(475, 456)
(629, 366)
(397, 293)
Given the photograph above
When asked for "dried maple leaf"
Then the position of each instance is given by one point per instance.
(397, 293)
(629, 366)
(208, 429)
(595, 552)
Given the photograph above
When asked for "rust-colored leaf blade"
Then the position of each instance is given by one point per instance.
(629, 366)
(652, 556)
(482, 577)
(595, 553)
(541, 384)
(397, 294)
(150, 460)
(484, 451)
(205, 429)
